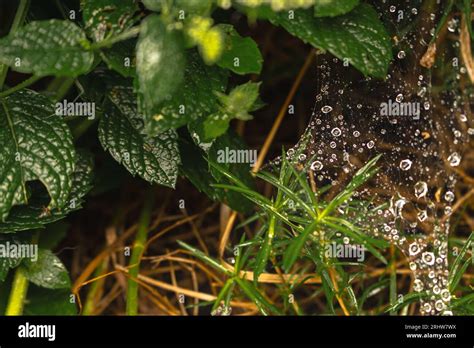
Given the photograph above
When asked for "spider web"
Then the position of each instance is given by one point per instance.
(356, 117)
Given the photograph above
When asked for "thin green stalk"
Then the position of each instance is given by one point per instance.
(19, 86)
(60, 87)
(90, 304)
(18, 293)
(130, 33)
(17, 21)
(138, 247)
(393, 281)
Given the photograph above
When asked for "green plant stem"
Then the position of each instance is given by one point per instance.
(60, 86)
(17, 293)
(128, 34)
(393, 280)
(19, 86)
(90, 304)
(138, 247)
(17, 21)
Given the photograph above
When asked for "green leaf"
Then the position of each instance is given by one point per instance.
(7, 263)
(121, 58)
(104, 18)
(160, 62)
(231, 152)
(154, 159)
(35, 144)
(240, 100)
(153, 5)
(188, 6)
(195, 167)
(459, 266)
(213, 126)
(294, 249)
(265, 250)
(241, 54)
(358, 36)
(43, 301)
(48, 271)
(467, 9)
(53, 234)
(52, 47)
(196, 97)
(237, 104)
(193, 6)
(205, 258)
(332, 8)
(35, 215)
(260, 301)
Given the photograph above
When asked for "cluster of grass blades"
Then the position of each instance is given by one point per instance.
(294, 231)
(295, 228)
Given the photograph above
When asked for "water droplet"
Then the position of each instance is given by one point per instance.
(401, 55)
(336, 132)
(316, 165)
(422, 215)
(452, 25)
(454, 159)
(393, 8)
(405, 164)
(414, 248)
(421, 188)
(449, 196)
(325, 109)
(399, 98)
(418, 285)
(428, 258)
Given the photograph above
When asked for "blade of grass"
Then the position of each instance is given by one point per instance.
(253, 294)
(206, 259)
(138, 248)
(294, 249)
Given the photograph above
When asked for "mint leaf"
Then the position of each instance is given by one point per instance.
(35, 144)
(52, 47)
(196, 168)
(48, 271)
(35, 215)
(104, 18)
(332, 8)
(240, 100)
(237, 104)
(196, 97)
(231, 152)
(241, 54)
(43, 301)
(121, 58)
(160, 62)
(154, 159)
(358, 36)
(7, 263)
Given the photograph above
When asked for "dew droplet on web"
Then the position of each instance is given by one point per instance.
(405, 164)
(326, 109)
(454, 159)
(421, 188)
(336, 132)
(449, 196)
(316, 165)
(401, 55)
